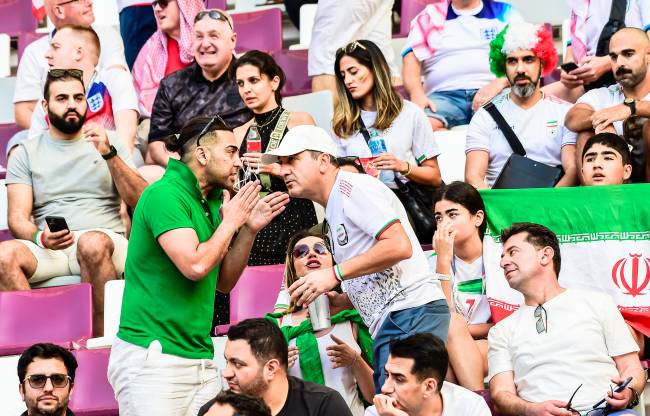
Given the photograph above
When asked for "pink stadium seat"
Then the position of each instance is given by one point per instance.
(5, 235)
(294, 64)
(60, 315)
(17, 17)
(260, 30)
(6, 132)
(216, 4)
(25, 38)
(488, 400)
(410, 9)
(93, 395)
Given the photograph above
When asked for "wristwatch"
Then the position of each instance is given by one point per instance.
(631, 102)
(111, 154)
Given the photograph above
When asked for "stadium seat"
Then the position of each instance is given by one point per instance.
(318, 104)
(5, 55)
(488, 400)
(260, 29)
(6, 132)
(60, 315)
(17, 17)
(5, 235)
(452, 158)
(294, 64)
(410, 9)
(93, 395)
(25, 38)
(216, 4)
(7, 86)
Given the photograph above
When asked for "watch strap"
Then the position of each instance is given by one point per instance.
(110, 154)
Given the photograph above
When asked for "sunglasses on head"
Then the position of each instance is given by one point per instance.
(302, 250)
(38, 381)
(213, 14)
(62, 73)
(351, 161)
(350, 47)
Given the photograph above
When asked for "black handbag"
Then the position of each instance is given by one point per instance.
(521, 171)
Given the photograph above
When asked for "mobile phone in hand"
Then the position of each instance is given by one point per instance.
(569, 66)
(56, 224)
(618, 389)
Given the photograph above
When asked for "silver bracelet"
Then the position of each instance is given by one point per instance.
(443, 277)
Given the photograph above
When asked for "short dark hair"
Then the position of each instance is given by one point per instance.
(186, 141)
(264, 338)
(611, 140)
(267, 66)
(244, 404)
(466, 195)
(429, 355)
(537, 235)
(49, 80)
(46, 351)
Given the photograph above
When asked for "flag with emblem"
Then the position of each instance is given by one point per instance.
(604, 234)
(38, 9)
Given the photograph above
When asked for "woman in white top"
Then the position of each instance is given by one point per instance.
(367, 99)
(460, 214)
(341, 347)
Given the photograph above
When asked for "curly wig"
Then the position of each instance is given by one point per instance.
(518, 36)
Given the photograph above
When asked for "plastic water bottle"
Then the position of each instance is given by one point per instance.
(253, 140)
(377, 146)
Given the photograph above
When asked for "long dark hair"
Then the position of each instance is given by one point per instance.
(466, 195)
(267, 66)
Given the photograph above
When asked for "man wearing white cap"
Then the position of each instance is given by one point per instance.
(380, 264)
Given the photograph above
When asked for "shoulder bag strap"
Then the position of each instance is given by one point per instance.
(274, 142)
(364, 131)
(510, 135)
(616, 22)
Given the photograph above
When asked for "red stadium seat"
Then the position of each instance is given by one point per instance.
(261, 29)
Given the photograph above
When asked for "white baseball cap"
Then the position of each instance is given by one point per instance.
(299, 139)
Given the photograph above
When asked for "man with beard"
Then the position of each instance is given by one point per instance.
(257, 358)
(608, 109)
(182, 249)
(523, 53)
(80, 174)
(46, 375)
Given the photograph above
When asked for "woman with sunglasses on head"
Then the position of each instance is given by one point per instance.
(338, 357)
(458, 242)
(260, 80)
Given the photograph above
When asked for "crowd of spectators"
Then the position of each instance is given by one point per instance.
(164, 158)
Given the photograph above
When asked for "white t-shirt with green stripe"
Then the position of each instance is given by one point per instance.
(359, 209)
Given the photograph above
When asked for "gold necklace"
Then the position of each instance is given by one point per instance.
(274, 112)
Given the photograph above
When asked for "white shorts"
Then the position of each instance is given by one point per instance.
(52, 263)
(339, 22)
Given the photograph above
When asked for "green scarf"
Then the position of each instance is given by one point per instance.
(310, 363)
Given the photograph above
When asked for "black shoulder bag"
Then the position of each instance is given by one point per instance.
(615, 23)
(520, 171)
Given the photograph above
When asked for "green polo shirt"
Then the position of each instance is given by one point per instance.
(159, 302)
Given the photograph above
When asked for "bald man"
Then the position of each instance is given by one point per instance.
(607, 109)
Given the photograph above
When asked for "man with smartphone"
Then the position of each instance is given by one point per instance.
(64, 189)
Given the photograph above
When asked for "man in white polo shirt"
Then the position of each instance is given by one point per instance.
(380, 264)
(523, 52)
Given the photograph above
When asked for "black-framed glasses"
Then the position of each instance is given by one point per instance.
(568, 405)
(205, 129)
(351, 161)
(350, 47)
(302, 250)
(63, 3)
(213, 14)
(38, 381)
(62, 73)
(542, 319)
(162, 3)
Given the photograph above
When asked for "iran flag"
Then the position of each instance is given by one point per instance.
(604, 234)
(38, 9)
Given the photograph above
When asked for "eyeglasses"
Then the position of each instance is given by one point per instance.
(213, 14)
(62, 73)
(350, 47)
(72, 1)
(38, 381)
(351, 161)
(207, 127)
(162, 3)
(542, 319)
(302, 250)
(568, 405)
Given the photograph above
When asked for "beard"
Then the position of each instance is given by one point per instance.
(628, 78)
(524, 91)
(256, 388)
(64, 125)
(58, 410)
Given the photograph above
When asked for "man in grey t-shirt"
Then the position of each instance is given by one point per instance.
(79, 175)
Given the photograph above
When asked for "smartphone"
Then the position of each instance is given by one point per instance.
(618, 389)
(569, 66)
(56, 224)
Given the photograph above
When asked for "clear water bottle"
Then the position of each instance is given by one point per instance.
(253, 140)
(377, 146)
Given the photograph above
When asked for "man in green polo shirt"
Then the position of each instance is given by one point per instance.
(182, 248)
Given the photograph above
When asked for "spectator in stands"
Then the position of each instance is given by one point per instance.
(341, 351)
(33, 66)
(607, 108)
(61, 173)
(260, 80)
(228, 403)
(257, 364)
(46, 376)
(202, 89)
(167, 50)
(457, 77)
(112, 101)
(339, 22)
(191, 248)
(458, 243)
(381, 265)
(591, 28)
(523, 52)
(606, 160)
(137, 24)
(369, 106)
(415, 385)
(560, 340)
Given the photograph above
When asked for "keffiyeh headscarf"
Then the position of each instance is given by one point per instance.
(426, 29)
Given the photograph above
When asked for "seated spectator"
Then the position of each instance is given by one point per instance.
(415, 385)
(606, 109)
(561, 344)
(201, 89)
(341, 350)
(260, 80)
(523, 53)
(453, 58)
(606, 160)
(167, 50)
(33, 66)
(228, 403)
(46, 378)
(112, 102)
(257, 364)
(458, 262)
(80, 174)
(137, 24)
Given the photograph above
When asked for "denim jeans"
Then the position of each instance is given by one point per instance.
(432, 317)
(453, 108)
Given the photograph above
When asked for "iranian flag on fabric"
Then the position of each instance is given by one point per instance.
(604, 234)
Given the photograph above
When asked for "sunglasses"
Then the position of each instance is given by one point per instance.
(542, 319)
(350, 47)
(162, 3)
(38, 381)
(302, 250)
(568, 405)
(63, 73)
(205, 129)
(213, 14)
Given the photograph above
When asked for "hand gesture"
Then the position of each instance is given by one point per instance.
(254, 161)
(423, 102)
(266, 209)
(619, 401)
(57, 241)
(570, 80)
(607, 116)
(341, 354)
(592, 67)
(485, 94)
(549, 408)
(293, 355)
(388, 161)
(443, 241)
(306, 289)
(236, 210)
(385, 406)
(95, 134)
